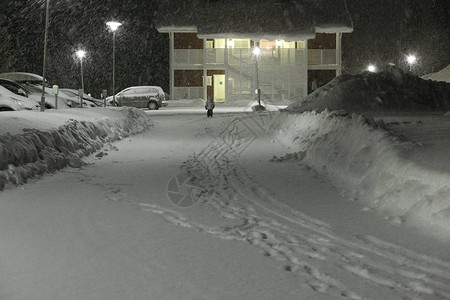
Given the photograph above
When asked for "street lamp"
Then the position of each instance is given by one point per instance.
(256, 52)
(411, 59)
(113, 25)
(45, 56)
(81, 54)
(371, 68)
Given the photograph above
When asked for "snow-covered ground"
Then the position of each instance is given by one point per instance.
(171, 205)
(33, 143)
(197, 106)
(384, 170)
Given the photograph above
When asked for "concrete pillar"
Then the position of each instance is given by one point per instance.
(205, 86)
(225, 62)
(171, 71)
(339, 53)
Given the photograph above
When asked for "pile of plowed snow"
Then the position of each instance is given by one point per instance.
(442, 75)
(371, 163)
(43, 142)
(387, 91)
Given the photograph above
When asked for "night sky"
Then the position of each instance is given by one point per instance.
(384, 32)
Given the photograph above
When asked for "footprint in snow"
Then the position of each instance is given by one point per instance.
(101, 154)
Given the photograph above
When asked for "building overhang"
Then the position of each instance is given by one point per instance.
(184, 29)
(255, 19)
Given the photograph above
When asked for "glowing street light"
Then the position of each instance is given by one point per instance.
(371, 68)
(256, 52)
(81, 54)
(411, 59)
(113, 26)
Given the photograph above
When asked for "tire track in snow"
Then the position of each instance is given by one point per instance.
(246, 224)
(370, 258)
(308, 247)
(383, 264)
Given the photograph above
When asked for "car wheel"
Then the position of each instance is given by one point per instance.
(152, 105)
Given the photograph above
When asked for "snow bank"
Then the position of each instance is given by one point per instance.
(442, 75)
(370, 163)
(25, 153)
(390, 90)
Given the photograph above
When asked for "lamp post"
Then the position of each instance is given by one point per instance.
(256, 52)
(45, 56)
(113, 25)
(411, 59)
(81, 54)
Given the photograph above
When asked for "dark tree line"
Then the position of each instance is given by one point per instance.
(141, 52)
(384, 31)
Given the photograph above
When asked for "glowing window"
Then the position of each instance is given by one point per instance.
(239, 43)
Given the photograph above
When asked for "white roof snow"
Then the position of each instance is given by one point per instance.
(22, 76)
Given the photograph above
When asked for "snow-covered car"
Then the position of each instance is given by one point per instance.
(151, 97)
(8, 104)
(72, 94)
(87, 97)
(22, 77)
(32, 85)
(50, 101)
(14, 98)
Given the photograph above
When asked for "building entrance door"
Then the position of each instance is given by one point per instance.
(216, 85)
(219, 88)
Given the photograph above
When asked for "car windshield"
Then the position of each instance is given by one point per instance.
(33, 88)
(68, 93)
(15, 88)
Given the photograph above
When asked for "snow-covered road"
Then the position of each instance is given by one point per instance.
(244, 226)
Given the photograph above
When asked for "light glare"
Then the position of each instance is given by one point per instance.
(411, 59)
(256, 51)
(113, 25)
(371, 68)
(81, 53)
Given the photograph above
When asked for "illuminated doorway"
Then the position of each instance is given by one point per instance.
(216, 85)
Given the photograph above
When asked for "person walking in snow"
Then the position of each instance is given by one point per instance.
(209, 107)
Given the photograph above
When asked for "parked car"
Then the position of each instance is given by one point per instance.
(32, 85)
(22, 77)
(73, 100)
(36, 93)
(87, 99)
(7, 104)
(10, 101)
(151, 97)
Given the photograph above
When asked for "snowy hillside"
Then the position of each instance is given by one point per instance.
(33, 143)
(442, 75)
(390, 90)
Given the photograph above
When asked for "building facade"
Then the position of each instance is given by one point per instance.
(223, 65)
